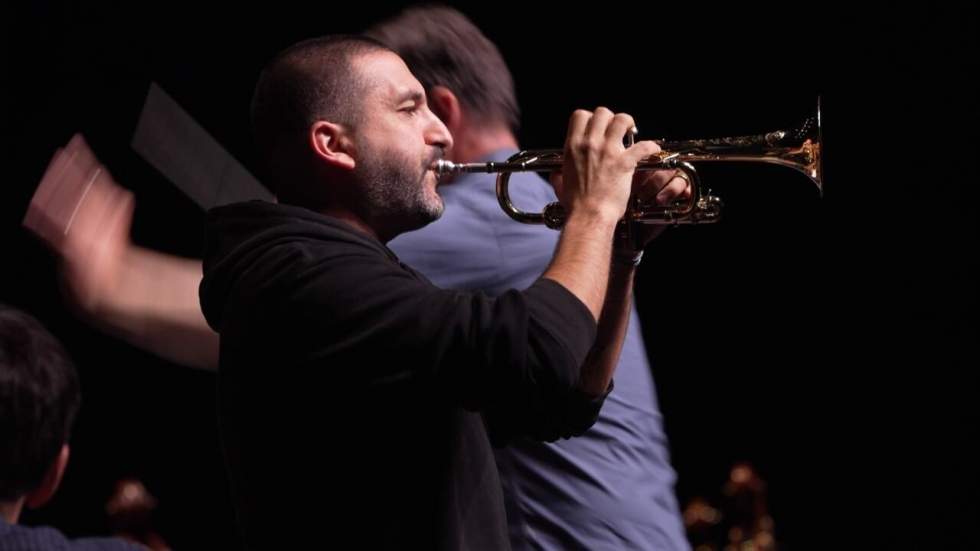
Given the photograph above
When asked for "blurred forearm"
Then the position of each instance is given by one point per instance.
(155, 306)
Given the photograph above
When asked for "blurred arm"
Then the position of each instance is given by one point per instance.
(147, 298)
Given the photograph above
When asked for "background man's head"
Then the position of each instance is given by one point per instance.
(443, 48)
(39, 399)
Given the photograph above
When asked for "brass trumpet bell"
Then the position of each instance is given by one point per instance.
(797, 149)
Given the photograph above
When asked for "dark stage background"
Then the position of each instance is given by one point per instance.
(830, 342)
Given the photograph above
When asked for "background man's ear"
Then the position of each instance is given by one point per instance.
(445, 105)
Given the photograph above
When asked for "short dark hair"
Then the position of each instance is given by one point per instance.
(308, 81)
(39, 399)
(442, 47)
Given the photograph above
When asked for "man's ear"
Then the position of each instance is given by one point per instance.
(331, 143)
(445, 105)
(52, 479)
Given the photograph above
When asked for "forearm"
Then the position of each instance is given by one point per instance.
(581, 261)
(599, 366)
(155, 306)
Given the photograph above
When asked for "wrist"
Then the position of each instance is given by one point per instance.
(627, 257)
(594, 216)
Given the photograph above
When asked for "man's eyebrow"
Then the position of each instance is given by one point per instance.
(411, 95)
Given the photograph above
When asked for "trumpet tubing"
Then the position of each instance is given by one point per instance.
(797, 149)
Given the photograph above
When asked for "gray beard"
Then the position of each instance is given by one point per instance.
(395, 198)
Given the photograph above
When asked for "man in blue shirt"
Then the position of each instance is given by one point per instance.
(611, 488)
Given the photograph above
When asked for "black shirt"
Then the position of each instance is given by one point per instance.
(357, 401)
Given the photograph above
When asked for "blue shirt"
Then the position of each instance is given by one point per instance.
(613, 487)
(15, 537)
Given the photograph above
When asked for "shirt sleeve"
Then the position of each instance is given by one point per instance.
(515, 357)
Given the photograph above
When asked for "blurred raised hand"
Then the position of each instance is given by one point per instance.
(145, 297)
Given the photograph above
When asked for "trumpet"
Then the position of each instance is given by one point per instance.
(798, 149)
